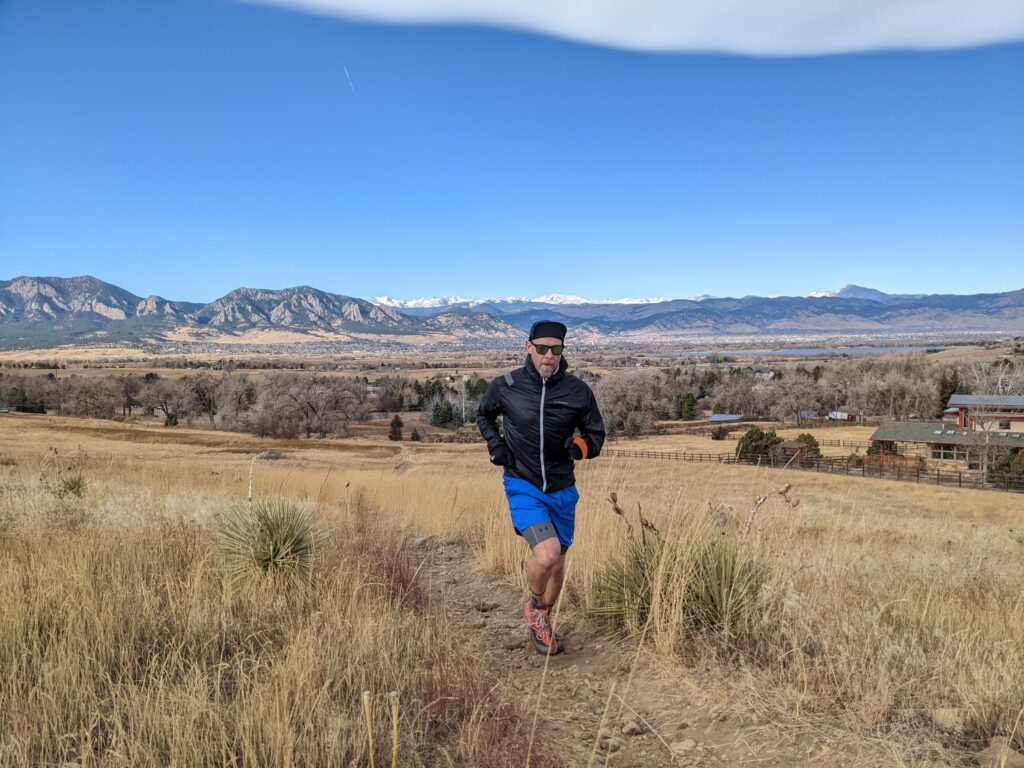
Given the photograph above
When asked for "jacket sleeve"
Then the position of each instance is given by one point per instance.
(487, 415)
(592, 427)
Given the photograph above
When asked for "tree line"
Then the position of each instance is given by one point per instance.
(632, 401)
(895, 387)
(282, 403)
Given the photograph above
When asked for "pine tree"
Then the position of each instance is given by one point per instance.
(688, 408)
(756, 442)
(442, 415)
(949, 385)
(395, 430)
(813, 450)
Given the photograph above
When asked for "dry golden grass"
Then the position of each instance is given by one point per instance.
(700, 444)
(123, 642)
(884, 601)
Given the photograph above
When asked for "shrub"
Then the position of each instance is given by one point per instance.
(7, 461)
(415, 435)
(713, 585)
(882, 449)
(72, 486)
(1007, 468)
(625, 588)
(274, 537)
(62, 475)
(756, 442)
(723, 594)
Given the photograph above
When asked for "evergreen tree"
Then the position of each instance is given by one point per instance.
(688, 410)
(757, 442)
(395, 430)
(415, 435)
(442, 415)
(813, 450)
(949, 385)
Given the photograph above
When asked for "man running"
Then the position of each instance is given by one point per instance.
(542, 407)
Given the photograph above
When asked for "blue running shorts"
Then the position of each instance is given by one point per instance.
(529, 506)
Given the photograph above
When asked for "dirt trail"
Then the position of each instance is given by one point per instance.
(655, 724)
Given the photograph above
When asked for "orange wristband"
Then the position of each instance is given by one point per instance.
(582, 444)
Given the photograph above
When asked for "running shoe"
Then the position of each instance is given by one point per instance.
(542, 636)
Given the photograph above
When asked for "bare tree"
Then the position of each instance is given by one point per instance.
(993, 380)
(312, 403)
(130, 387)
(167, 397)
(202, 394)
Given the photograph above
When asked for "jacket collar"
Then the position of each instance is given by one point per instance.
(535, 376)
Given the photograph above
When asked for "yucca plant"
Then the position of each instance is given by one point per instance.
(625, 588)
(273, 536)
(71, 486)
(724, 590)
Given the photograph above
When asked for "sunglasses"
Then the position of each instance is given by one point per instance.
(542, 349)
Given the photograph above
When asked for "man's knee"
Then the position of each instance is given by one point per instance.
(548, 553)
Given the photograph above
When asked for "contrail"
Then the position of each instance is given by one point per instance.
(349, 80)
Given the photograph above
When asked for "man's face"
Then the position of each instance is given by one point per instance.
(545, 364)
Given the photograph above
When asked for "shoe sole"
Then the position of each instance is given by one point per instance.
(542, 649)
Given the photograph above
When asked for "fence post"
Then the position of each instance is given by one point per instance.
(959, 479)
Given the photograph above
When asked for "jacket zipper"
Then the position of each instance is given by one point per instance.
(543, 472)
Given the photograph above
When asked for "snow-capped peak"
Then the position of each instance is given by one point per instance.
(561, 298)
(853, 292)
(552, 298)
(433, 301)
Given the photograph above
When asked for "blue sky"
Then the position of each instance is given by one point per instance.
(187, 148)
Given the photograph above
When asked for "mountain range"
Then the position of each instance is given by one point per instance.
(51, 311)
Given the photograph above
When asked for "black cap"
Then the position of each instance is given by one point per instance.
(547, 329)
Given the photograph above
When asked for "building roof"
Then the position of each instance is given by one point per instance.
(990, 401)
(937, 433)
(719, 418)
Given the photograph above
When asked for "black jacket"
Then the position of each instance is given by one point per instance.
(538, 417)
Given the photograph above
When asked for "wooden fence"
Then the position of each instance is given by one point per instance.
(840, 466)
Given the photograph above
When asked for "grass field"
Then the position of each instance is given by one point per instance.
(877, 603)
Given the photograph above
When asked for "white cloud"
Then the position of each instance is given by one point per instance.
(758, 27)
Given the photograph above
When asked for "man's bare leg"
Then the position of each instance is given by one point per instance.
(554, 587)
(545, 570)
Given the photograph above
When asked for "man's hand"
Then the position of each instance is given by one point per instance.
(577, 448)
(499, 456)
